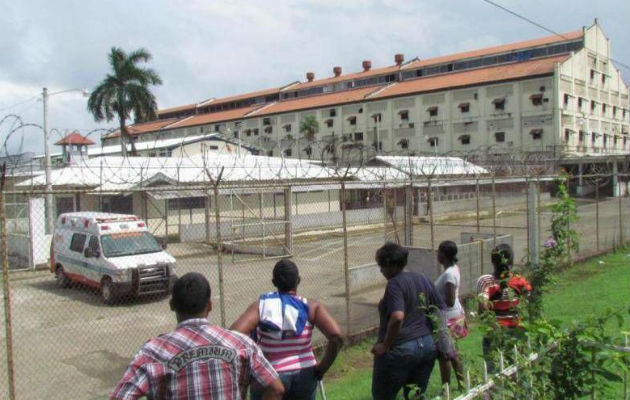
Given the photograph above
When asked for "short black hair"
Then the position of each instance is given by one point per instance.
(448, 248)
(392, 255)
(502, 258)
(190, 294)
(286, 275)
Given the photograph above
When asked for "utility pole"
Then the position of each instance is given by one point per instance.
(47, 166)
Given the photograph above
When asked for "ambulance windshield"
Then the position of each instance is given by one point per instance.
(129, 243)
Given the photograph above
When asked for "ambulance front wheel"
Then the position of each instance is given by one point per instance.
(107, 290)
(62, 279)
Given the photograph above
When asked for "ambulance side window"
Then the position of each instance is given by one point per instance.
(93, 244)
(78, 242)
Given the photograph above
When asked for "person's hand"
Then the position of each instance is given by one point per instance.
(379, 349)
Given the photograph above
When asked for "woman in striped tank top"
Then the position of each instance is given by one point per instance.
(282, 324)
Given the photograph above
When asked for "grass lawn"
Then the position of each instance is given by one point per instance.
(586, 288)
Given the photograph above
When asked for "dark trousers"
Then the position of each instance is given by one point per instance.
(409, 363)
(298, 385)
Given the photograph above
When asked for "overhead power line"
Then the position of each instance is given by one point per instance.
(619, 63)
(19, 104)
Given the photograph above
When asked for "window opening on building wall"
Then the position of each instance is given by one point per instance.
(464, 139)
(433, 111)
(404, 115)
(499, 103)
(536, 99)
(464, 107)
(433, 141)
(352, 120)
(499, 137)
(536, 134)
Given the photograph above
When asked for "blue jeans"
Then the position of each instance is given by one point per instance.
(409, 363)
(298, 385)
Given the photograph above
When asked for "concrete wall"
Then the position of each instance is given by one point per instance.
(253, 229)
(485, 203)
(474, 261)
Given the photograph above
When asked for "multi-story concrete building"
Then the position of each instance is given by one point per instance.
(559, 95)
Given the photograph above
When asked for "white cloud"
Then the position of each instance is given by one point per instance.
(216, 48)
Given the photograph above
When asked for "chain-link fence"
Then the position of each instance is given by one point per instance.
(72, 330)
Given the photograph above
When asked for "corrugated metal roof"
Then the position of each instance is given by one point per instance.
(432, 166)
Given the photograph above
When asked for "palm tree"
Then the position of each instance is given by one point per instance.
(309, 127)
(124, 91)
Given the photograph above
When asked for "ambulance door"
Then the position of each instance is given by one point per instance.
(74, 264)
(95, 261)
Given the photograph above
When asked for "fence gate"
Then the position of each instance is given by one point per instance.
(255, 222)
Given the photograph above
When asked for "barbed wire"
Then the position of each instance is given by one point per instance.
(332, 157)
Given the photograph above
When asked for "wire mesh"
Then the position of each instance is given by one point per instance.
(70, 340)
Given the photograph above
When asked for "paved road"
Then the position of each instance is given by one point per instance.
(67, 343)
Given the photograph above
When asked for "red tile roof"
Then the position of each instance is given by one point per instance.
(504, 48)
(457, 79)
(208, 118)
(151, 126)
(332, 99)
(347, 77)
(229, 99)
(443, 59)
(472, 77)
(74, 138)
(176, 109)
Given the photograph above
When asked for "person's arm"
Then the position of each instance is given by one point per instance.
(449, 294)
(275, 391)
(323, 321)
(395, 308)
(394, 324)
(135, 381)
(263, 373)
(247, 322)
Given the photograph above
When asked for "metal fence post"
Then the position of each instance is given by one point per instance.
(538, 214)
(494, 212)
(207, 216)
(288, 220)
(569, 260)
(432, 227)
(620, 205)
(409, 215)
(346, 270)
(477, 197)
(533, 241)
(597, 214)
(217, 216)
(6, 291)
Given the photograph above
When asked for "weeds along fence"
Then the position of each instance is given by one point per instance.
(65, 340)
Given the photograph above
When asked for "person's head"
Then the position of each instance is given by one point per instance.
(447, 253)
(392, 258)
(502, 259)
(286, 276)
(191, 297)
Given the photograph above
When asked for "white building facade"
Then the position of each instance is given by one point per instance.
(558, 95)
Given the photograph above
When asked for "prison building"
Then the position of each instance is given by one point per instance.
(560, 95)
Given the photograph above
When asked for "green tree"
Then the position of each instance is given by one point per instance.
(309, 127)
(125, 90)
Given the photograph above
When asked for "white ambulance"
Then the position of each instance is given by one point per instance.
(115, 253)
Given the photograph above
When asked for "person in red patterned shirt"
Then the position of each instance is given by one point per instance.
(197, 360)
(501, 294)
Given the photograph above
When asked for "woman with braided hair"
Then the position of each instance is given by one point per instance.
(500, 294)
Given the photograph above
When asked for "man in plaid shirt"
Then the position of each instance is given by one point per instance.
(197, 360)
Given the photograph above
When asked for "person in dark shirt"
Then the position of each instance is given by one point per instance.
(405, 351)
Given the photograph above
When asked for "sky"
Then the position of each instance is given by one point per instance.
(216, 48)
